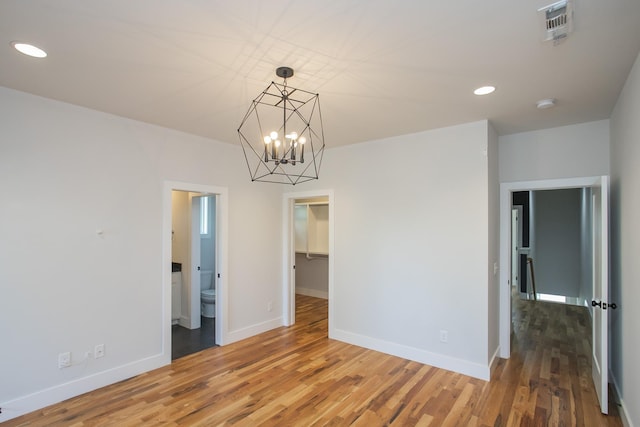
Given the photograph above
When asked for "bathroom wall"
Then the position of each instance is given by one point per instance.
(208, 246)
(180, 249)
(180, 227)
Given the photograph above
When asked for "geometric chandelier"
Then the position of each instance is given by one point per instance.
(281, 135)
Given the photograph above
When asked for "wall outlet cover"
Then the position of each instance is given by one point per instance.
(64, 360)
(99, 351)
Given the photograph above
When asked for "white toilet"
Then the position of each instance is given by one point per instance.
(207, 296)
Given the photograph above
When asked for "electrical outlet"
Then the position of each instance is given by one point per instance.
(444, 336)
(64, 360)
(270, 306)
(99, 351)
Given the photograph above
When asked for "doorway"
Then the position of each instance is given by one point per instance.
(551, 255)
(195, 225)
(311, 225)
(308, 245)
(600, 278)
(193, 256)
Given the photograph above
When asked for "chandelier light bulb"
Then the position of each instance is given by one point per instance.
(302, 140)
(274, 135)
(267, 140)
(277, 143)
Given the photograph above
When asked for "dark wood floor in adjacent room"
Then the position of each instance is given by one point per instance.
(188, 341)
(296, 376)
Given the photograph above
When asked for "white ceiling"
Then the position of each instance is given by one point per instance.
(382, 67)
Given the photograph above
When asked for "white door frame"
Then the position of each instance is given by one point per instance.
(289, 253)
(506, 188)
(222, 230)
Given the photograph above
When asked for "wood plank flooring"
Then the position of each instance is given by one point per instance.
(296, 376)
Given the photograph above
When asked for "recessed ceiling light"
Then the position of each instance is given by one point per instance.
(484, 90)
(29, 49)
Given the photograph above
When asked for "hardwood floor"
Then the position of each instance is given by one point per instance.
(296, 376)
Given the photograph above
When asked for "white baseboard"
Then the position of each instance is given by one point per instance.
(465, 367)
(312, 293)
(185, 322)
(622, 407)
(40, 399)
(252, 330)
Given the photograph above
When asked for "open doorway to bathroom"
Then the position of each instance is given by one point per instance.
(194, 248)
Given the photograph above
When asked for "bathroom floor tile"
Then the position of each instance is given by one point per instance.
(187, 341)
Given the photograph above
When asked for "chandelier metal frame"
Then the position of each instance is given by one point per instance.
(291, 150)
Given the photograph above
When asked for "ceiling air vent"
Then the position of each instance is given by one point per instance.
(557, 20)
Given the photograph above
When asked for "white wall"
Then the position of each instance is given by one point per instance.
(67, 172)
(562, 152)
(557, 236)
(411, 245)
(625, 245)
(312, 275)
(493, 232)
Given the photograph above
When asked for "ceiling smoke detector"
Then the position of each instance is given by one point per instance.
(543, 104)
(557, 20)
